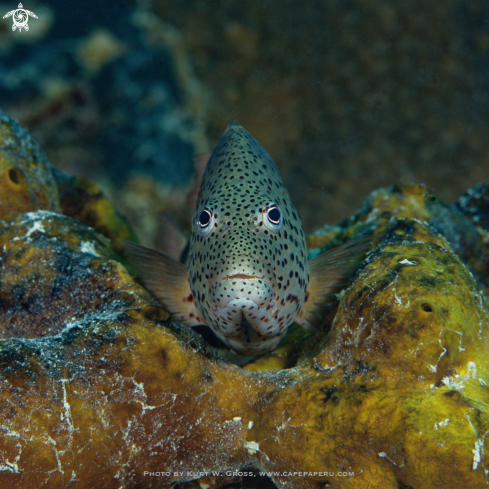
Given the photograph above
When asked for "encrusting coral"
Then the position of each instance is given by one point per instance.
(99, 387)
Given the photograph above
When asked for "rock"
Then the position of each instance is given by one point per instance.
(416, 202)
(56, 271)
(26, 181)
(84, 201)
(475, 204)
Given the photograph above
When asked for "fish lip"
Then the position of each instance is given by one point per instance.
(241, 276)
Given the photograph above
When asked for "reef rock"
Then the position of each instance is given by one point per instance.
(99, 387)
(26, 182)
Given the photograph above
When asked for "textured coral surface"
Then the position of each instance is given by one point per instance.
(25, 180)
(100, 388)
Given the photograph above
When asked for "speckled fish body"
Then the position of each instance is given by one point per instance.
(248, 265)
(248, 276)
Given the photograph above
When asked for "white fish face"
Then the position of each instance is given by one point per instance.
(248, 258)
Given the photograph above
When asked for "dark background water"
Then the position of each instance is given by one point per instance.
(347, 96)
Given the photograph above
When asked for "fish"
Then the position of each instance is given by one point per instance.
(248, 276)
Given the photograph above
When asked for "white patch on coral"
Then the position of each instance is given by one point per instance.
(37, 226)
(441, 423)
(252, 447)
(453, 382)
(479, 445)
(397, 299)
(434, 368)
(88, 247)
(283, 425)
(58, 461)
(461, 337)
(67, 410)
(10, 467)
(478, 450)
(384, 455)
(472, 368)
(459, 384)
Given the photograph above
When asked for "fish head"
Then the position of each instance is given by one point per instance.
(247, 258)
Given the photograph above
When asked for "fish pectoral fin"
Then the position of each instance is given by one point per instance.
(166, 279)
(329, 273)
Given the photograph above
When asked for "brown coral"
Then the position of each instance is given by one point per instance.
(394, 395)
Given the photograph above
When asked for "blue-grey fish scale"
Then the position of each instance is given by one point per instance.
(249, 281)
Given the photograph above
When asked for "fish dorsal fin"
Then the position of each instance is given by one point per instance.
(328, 274)
(200, 164)
(167, 280)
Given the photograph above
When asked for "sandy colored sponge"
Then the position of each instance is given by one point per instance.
(26, 182)
(100, 388)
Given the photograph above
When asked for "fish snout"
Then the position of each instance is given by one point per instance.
(246, 290)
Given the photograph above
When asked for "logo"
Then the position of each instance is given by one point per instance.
(20, 17)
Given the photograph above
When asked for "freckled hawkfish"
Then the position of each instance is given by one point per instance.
(248, 275)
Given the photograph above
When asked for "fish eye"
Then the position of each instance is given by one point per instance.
(205, 221)
(273, 217)
(205, 218)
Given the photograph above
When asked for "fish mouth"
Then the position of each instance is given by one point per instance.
(242, 276)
